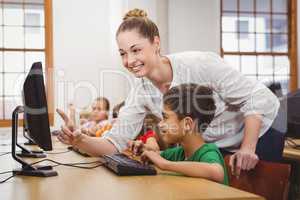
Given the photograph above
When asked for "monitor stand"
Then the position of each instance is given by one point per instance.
(30, 141)
(29, 153)
(27, 169)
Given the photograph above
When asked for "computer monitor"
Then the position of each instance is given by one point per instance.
(35, 108)
(36, 122)
(293, 114)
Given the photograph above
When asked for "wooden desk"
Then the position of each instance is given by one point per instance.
(99, 183)
(292, 153)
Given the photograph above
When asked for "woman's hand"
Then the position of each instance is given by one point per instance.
(243, 159)
(68, 137)
(67, 120)
(155, 158)
(136, 147)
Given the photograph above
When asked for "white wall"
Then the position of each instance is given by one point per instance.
(157, 11)
(86, 61)
(194, 25)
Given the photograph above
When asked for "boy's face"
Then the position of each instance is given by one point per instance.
(98, 111)
(171, 128)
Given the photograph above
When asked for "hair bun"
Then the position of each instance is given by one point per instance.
(135, 13)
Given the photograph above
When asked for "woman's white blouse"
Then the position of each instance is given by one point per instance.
(235, 97)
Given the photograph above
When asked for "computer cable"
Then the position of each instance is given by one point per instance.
(61, 152)
(76, 165)
(7, 178)
(4, 153)
(6, 172)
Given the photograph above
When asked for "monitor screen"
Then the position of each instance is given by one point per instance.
(35, 107)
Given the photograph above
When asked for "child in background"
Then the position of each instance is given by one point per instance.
(98, 117)
(150, 135)
(149, 128)
(108, 126)
(187, 112)
(91, 121)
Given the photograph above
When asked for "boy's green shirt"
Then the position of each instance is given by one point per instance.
(208, 153)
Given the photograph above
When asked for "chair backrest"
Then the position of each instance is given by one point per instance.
(267, 179)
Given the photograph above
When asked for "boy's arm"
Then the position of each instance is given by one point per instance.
(211, 171)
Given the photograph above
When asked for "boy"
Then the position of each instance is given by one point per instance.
(188, 110)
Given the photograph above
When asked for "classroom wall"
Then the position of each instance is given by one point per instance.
(194, 25)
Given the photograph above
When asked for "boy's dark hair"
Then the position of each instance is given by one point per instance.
(117, 108)
(192, 100)
(105, 100)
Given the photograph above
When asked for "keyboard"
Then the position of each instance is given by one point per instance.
(122, 165)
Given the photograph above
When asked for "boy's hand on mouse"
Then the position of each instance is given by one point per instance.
(136, 147)
(155, 158)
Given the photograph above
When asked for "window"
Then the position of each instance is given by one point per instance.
(25, 37)
(259, 39)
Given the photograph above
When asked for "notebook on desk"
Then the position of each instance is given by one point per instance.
(122, 165)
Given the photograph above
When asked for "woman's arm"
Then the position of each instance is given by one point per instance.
(245, 158)
(251, 132)
(253, 99)
(90, 145)
(126, 128)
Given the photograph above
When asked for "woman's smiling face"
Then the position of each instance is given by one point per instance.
(138, 53)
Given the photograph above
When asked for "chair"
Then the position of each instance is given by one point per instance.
(267, 179)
